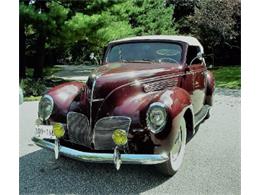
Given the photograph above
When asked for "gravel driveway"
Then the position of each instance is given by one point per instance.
(211, 163)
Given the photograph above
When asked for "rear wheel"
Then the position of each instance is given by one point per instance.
(176, 155)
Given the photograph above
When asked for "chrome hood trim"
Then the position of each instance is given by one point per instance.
(91, 86)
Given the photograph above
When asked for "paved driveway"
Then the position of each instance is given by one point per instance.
(211, 163)
(74, 72)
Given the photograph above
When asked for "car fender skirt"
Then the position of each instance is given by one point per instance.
(102, 157)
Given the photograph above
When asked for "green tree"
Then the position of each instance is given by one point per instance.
(217, 24)
(74, 29)
(183, 9)
(42, 20)
(148, 17)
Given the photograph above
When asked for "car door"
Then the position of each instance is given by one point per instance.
(196, 69)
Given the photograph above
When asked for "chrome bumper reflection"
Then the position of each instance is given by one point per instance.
(103, 157)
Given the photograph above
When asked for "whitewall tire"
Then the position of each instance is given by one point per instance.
(171, 166)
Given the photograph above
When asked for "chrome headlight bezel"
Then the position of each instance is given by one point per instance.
(45, 107)
(156, 108)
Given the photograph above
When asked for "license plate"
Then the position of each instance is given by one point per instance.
(44, 131)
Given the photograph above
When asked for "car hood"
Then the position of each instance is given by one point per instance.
(111, 76)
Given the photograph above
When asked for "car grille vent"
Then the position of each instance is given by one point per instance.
(78, 128)
(160, 85)
(104, 128)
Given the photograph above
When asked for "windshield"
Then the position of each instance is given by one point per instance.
(145, 51)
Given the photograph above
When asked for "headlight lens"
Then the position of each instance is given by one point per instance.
(45, 107)
(156, 117)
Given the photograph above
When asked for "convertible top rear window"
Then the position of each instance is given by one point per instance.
(145, 51)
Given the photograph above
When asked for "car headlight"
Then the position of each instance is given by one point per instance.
(45, 108)
(156, 117)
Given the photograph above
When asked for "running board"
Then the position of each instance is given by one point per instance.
(200, 116)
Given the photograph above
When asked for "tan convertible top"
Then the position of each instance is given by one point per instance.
(187, 39)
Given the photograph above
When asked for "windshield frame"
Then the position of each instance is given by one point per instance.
(111, 45)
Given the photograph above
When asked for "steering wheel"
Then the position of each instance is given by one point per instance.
(168, 60)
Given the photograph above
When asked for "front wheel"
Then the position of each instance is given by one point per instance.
(171, 166)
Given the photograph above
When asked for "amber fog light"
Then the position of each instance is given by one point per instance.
(119, 137)
(58, 130)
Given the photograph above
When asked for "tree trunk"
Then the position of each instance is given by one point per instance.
(40, 52)
(22, 65)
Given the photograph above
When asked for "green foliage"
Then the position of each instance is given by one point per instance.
(228, 77)
(214, 22)
(153, 17)
(32, 98)
(33, 87)
(183, 8)
(75, 29)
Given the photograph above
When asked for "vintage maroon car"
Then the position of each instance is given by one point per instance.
(140, 107)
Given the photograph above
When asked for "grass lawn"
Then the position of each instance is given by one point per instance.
(227, 77)
(32, 98)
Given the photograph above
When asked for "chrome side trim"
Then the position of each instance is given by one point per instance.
(158, 78)
(103, 157)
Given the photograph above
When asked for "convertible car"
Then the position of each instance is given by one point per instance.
(141, 106)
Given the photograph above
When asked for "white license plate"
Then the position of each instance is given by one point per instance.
(44, 131)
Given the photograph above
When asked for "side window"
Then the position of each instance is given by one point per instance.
(192, 53)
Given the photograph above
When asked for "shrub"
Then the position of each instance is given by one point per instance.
(33, 87)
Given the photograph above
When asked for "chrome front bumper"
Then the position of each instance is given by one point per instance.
(103, 157)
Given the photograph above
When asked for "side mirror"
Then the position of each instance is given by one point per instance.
(198, 56)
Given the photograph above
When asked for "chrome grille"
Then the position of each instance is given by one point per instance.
(78, 128)
(104, 128)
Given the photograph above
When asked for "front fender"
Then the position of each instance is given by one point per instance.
(175, 100)
(63, 95)
(178, 102)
